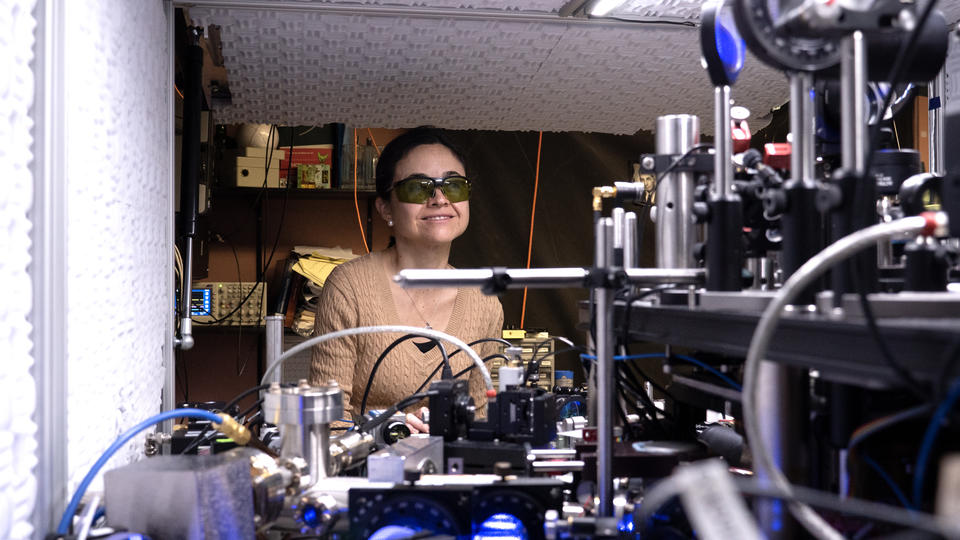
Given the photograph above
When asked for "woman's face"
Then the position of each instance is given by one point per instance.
(437, 220)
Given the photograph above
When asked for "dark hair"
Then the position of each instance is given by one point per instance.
(399, 147)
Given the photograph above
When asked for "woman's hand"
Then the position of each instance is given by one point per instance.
(416, 422)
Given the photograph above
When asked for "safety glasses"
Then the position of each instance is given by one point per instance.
(419, 189)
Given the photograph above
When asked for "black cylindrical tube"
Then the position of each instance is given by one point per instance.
(725, 245)
(925, 269)
(801, 235)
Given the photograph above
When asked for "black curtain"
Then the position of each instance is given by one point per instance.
(503, 166)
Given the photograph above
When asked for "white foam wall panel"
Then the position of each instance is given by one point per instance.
(17, 388)
(313, 67)
(118, 174)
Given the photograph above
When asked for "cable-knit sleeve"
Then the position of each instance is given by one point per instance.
(335, 359)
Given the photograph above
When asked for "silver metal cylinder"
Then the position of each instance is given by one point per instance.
(274, 344)
(603, 298)
(937, 89)
(781, 393)
(853, 99)
(617, 215)
(722, 144)
(802, 125)
(630, 247)
(303, 414)
(676, 233)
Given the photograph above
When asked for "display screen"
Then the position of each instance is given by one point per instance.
(200, 302)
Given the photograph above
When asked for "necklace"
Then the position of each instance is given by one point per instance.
(417, 308)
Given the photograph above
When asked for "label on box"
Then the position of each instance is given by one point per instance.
(320, 154)
(313, 176)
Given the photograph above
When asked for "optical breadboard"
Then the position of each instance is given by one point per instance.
(528, 342)
(215, 302)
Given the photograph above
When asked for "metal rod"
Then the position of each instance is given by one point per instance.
(603, 311)
(676, 234)
(802, 118)
(274, 343)
(428, 12)
(853, 95)
(617, 215)
(722, 143)
(542, 278)
(189, 171)
(48, 269)
(630, 247)
(935, 119)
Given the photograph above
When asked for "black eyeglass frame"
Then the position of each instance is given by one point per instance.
(438, 183)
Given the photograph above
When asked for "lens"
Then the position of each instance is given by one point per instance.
(456, 189)
(414, 190)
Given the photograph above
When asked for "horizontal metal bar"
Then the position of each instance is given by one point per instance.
(439, 13)
(679, 276)
(518, 278)
(537, 278)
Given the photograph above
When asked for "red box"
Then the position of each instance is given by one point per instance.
(315, 154)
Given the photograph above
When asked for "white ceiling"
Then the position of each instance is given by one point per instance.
(471, 64)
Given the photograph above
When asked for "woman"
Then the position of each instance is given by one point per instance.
(422, 194)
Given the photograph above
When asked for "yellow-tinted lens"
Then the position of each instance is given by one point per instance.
(456, 189)
(418, 190)
(414, 190)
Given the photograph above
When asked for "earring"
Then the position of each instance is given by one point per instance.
(389, 223)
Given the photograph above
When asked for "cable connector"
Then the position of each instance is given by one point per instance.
(233, 429)
(600, 193)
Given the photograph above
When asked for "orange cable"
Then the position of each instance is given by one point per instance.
(356, 204)
(533, 213)
(374, 141)
(179, 93)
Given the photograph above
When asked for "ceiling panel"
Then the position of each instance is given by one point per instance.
(463, 71)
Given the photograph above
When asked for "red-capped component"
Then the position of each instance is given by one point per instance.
(777, 155)
(741, 136)
(491, 393)
(932, 223)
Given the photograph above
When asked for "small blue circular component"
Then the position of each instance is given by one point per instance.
(310, 517)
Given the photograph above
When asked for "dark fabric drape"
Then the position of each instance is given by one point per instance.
(571, 164)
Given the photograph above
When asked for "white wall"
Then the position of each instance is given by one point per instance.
(17, 399)
(118, 125)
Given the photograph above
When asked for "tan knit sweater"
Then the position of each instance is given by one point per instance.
(357, 293)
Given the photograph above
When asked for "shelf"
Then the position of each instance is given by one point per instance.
(247, 192)
(841, 350)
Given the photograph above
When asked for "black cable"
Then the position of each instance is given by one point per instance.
(376, 365)
(471, 344)
(390, 411)
(896, 70)
(471, 366)
(641, 394)
(885, 352)
(540, 345)
(628, 370)
(677, 162)
(893, 78)
(484, 340)
(561, 351)
(199, 440)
